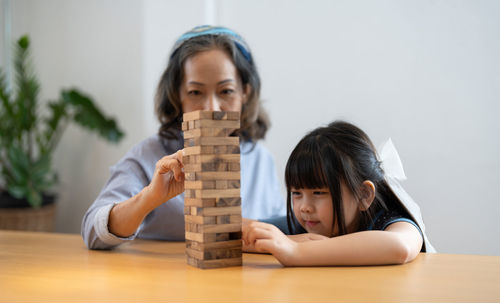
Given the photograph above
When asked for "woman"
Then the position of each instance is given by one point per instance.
(210, 68)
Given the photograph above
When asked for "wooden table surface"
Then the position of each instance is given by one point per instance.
(43, 267)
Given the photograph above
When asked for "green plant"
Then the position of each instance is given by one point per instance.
(28, 139)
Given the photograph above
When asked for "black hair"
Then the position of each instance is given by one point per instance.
(340, 153)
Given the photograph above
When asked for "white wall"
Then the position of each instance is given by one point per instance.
(425, 73)
(95, 46)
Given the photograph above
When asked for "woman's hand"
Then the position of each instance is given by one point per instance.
(168, 179)
(167, 182)
(267, 238)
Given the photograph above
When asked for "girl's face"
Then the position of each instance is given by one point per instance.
(313, 208)
(211, 82)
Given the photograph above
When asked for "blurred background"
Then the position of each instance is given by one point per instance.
(425, 73)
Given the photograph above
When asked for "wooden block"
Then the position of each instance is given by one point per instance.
(189, 176)
(206, 167)
(197, 115)
(220, 149)
(233, 115)
(203, 219)
(197, 150)
(219, 115)
(235, 219)
(209, 175)
(226, 115)
(192, 168)
(208, 132)
(217, 165)
(232, 158)
(212, 193)
(210, 115)
(213, 237)
(191, 227)
(193, 164)
(214, 254)
(222, 219)
(196, 254)
(234, 124)
(187, 159)
(228, 158)
(187, 210)
(211, 202)
(226, 149)
(199, 237)
(200, 141)
(210, 264)
(215, 211)
(232, 184)
(218, 228)
(191, 125)
(221, 184)
(228, 202)
(185, 126)
(208, 184)
(234, 166)
(235, 235)
(222, 237)
(207, 202)
(214, 245)
(211, 149)
(189, 193)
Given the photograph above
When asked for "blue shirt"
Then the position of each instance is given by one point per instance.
(260, 192)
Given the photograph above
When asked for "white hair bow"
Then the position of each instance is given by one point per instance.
(391, 163)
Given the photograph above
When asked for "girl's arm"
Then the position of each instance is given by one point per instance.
(399, 243)
(306, 237)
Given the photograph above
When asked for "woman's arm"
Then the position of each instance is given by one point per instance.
(167, 182)
(399, 243)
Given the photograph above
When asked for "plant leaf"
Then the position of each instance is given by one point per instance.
(18, 164)
(34, 198)
(25, 104)
(24, 42)
(17, 191)
(87, 115)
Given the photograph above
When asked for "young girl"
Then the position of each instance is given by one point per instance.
(342, 209)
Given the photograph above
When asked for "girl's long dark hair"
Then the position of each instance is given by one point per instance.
(327, 157)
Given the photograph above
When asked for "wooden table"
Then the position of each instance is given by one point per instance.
(42, 267)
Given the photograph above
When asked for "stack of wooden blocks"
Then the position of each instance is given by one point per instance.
(212, 202)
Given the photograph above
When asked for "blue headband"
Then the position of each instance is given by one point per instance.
(217, 31)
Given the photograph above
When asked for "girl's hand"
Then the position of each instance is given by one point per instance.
(247, 247)
(168, 180)
(268, 238)
(307, 237)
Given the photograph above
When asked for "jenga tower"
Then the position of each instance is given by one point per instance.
(212, 202)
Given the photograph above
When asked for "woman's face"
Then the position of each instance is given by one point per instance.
(211, 82)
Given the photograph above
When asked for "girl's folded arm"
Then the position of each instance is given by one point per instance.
(398, 244)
